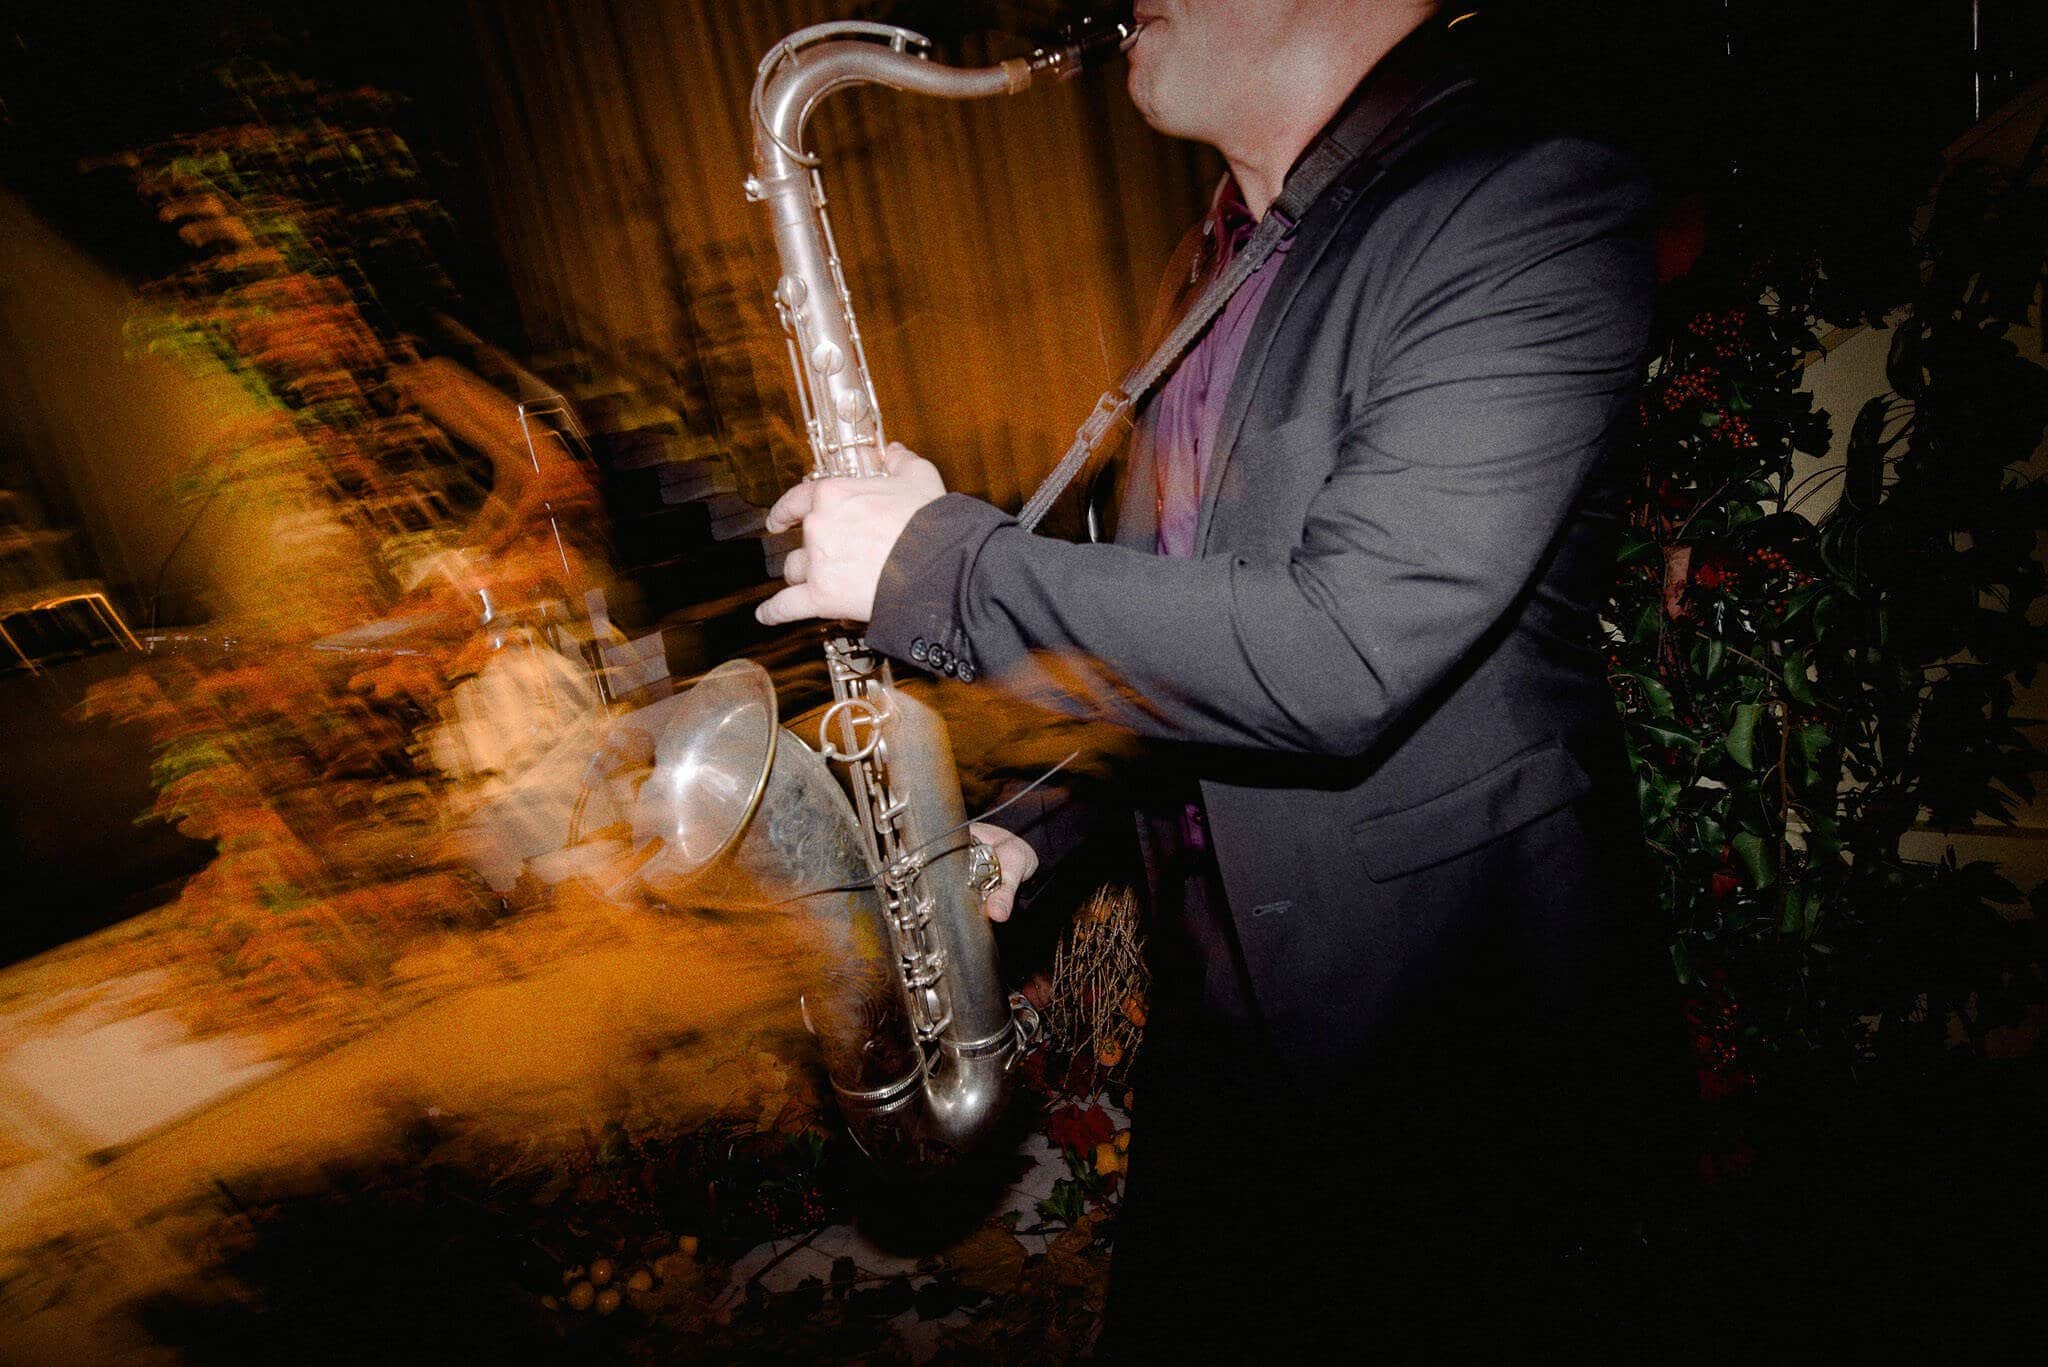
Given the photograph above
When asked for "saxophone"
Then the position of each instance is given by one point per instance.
(907, 1002)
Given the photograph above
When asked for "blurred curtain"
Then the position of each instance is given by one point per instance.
(1002, 254)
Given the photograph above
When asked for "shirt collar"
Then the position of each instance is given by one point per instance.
(1229, 224)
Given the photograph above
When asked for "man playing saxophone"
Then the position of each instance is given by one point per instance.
(1357, 543)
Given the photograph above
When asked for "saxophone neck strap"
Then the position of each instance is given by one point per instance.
(1379, 124)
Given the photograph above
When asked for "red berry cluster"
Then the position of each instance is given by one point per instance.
(1715, 572)
(1734, 429)
(1690, 387)
(785, 1212)
(1776, 567)
(1769, 561)
(1715, 1029)
(1721, 332)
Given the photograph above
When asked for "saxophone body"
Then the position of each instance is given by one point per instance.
(907, 999)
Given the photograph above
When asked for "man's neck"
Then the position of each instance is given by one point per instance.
(1317, 80)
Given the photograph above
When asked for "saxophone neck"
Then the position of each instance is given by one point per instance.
(811, 63)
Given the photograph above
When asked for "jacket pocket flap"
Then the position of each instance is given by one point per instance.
(1513, 793)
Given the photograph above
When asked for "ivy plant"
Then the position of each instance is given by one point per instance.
(1812, 659)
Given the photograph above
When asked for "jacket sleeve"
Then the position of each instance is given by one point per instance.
(1483, 400)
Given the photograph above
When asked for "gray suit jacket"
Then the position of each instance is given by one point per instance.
(1380, 665)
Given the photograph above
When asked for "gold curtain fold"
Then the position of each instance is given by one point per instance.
(1001, 253)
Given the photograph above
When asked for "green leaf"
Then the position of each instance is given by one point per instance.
(1656, 794)
(1813, 740)
(1065, 1204)
(1794, 673)
(1740, 741)
(1902, 367)
(1655, 693)
(1818, 764)
(1746, 806)
(1665, 734)
(1716, 655)
(1758, 857)
(1636, 548)
(1863, 468)
(1800, 601)
(1801, 916)
(1838, 543)
(1823, 836)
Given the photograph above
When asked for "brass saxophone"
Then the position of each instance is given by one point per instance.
(914, 1025)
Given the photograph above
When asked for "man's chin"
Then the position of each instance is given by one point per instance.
(1161, 118)
(1142, 84)
(1138, 85)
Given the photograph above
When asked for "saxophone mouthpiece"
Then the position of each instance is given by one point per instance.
(1087, 42)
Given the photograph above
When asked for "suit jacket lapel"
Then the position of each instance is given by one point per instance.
(1317, 230)
(1311, 239)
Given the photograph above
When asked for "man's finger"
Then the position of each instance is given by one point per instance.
(1013, 853)
(998, 903)
(895, 456)
(796, 566)
(793, 604)
(792, 507)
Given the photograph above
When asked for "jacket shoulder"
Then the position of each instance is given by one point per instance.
(1487, 194)
(1485, 160)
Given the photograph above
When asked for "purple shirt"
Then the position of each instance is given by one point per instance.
(1189, 410)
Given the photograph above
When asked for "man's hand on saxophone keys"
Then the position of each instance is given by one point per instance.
(850, 526)
(1015, 859)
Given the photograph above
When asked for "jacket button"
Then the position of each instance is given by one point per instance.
(919, 650)
(966, 674)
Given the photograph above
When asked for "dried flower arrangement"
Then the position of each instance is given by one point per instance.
(1095, 1018)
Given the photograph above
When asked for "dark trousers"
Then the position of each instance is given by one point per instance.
(1478, 1195)
(1260, 1225)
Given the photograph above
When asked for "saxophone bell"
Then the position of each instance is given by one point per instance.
(902, 994)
